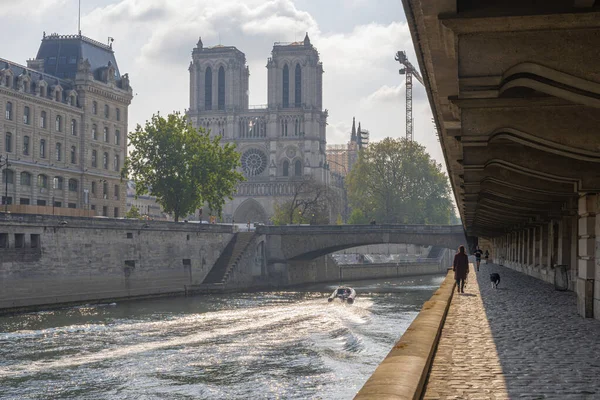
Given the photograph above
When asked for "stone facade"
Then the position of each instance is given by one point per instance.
(280, 142)
(64, 127)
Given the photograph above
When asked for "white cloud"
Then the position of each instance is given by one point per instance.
(385, 94)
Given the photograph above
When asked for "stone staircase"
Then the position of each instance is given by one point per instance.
(435, 252)
(216, 280)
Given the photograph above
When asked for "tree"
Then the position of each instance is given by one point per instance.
(396, 181)
(133, 213)
(311, 203)
(181, 166)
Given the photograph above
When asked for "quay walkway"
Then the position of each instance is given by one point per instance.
(523, 340)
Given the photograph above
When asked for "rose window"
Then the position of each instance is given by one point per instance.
(254, 162)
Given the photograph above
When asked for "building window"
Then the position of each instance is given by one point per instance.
(296, 127)
(104, 211)
(298, 86)
(43, 90)
(298, 168)
(94, 108)
(58, 204)
(72, 185)
(286, 168)
(9, 110)
(40, 203)
(117, 137)
(8, 142)
(58, 152)
(25, 145)
(116, 162)
(105, 190)
(221, 90)
(118, 114)
(106, 111)
(286, 86)
(73, 155)
(73, 127)
(58, 95)
(58, 183)
(105, 160)
(94, 132)
(26, 115)
(25, 179)
(208, 89)
(42, 148)
(116, 192)
(94, 188)
(94, 158)
(24, 201)
(58, 125)
(116, 212)
(43, 181)
(105, 133)
(43, 119)
(71, 205)
(8, 176)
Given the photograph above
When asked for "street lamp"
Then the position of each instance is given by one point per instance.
(5, 164)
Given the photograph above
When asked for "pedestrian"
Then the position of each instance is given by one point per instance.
(460, 266)
(478, 254)
(487, 254)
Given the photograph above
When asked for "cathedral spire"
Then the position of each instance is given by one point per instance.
(306, 40)
(353, 134)
(199, 44)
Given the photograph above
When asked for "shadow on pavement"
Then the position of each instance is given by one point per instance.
(545, 349)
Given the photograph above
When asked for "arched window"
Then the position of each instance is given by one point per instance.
(298, 86)
(95, 108)
(26, 115)
(58, 125)
(286, 168)
(105, 134)
(58, 152)
(94, 132)
(9, 110)
(73, 127)
(25, 179)
(298, 168)
(117, 137)
(58, 183)
(296, 127)
(43, 91)
(118, 114)
(8, 174)
(8, 142)
(94, 158)
(73, 185)
(43, 181)
(73, 154)
(105, 160)
(43, 119)
(25, 145)
(208, 89)
(286, 86)
(105, 189)
(42, 148)
(57, 95)
(94, 188)
(106, 111)
(221, 91)
(116, 163)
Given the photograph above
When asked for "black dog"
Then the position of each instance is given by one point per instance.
(495, 278)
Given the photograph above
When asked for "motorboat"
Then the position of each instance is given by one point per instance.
(344, 293)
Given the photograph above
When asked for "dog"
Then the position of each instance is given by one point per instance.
(495, 278)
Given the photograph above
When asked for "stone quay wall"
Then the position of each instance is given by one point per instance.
(49, 260)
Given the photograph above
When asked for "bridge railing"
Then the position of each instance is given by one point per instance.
(339, 229)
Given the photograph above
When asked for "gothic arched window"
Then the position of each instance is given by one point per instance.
(286, 168)
(286, 86)
(298, 168)
(298, 86)
(208, 89)
(221, 91)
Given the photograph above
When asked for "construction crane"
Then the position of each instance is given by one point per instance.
(409, 71)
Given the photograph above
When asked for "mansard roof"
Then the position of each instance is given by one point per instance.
(34, 75)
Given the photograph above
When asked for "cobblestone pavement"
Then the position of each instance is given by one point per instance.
(523, 340)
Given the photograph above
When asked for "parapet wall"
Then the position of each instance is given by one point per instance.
(48, 260)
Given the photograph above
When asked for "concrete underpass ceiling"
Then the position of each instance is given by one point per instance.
(515, 90)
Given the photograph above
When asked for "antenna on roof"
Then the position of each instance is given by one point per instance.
(79, 19)
(110, 41)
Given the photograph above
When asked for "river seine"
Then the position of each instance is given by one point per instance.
(289, 344)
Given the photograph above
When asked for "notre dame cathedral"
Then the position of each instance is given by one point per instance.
(281, 142)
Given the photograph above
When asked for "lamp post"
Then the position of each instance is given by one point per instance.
(5, 164)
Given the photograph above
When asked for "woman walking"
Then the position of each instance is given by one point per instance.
(460, 266)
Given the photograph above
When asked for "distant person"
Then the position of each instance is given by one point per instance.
(460, 266)
(478, 254)
(373, 222)
(487, 254)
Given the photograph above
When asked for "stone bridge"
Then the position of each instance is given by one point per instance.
(295, 243)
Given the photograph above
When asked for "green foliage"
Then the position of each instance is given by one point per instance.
(181, 166)
(357, 217)
(311, 203)
(339, 220)
(396, 181)
(133, 213)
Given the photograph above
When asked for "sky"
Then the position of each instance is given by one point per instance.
(153, 40)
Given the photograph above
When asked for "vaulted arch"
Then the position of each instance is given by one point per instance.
(298, 86)
(286, 87)
(221, 89)
(250, 211)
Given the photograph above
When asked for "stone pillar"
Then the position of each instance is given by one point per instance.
(586, 274)
(543, 246)
(534, 253)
